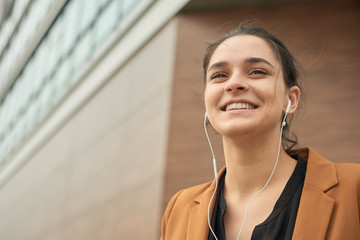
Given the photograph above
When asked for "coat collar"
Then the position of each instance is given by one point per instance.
(320, 172)
(315, 207)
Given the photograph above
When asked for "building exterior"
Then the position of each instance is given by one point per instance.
(101, 104)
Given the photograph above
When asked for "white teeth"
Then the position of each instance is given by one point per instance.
(239, 106)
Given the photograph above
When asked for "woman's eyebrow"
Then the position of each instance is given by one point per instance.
(248, 60)
(217, 64)
(258, 60)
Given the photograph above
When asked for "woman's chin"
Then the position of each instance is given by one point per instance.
(236, 130)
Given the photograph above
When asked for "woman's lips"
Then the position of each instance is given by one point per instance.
(238, 105)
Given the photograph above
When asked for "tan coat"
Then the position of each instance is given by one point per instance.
(329, 205)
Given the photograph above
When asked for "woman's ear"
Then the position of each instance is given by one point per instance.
(294, 96)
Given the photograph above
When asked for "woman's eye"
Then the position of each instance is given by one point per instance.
(218, 75)
(258, 71)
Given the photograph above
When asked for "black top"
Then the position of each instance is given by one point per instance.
(281, 221)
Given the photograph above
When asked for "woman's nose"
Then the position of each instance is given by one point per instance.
(236, 83)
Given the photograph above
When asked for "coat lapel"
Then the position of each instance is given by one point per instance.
(198, 227)
(315, 207)
(314, 215)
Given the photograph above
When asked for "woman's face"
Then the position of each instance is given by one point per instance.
(245, 90)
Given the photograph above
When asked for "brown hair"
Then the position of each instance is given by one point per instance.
(288, 63)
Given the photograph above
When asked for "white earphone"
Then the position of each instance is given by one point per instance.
(286, 113)
(212, 151)
(288, 106)
(283, 123)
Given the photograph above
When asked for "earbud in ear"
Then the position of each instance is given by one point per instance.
(288, 107)
(283, 123)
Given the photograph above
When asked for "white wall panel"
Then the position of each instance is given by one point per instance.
(101, 175)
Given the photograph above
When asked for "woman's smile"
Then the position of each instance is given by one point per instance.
(240, 105)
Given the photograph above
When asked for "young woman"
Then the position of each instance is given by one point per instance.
(266, 190)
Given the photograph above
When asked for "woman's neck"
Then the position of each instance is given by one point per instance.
(249, 164)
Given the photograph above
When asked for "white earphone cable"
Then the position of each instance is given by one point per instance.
(216, 177)
(271, 175)
(283, 123)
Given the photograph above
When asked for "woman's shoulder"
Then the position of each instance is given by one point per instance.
(349, 172)
(348, 167)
